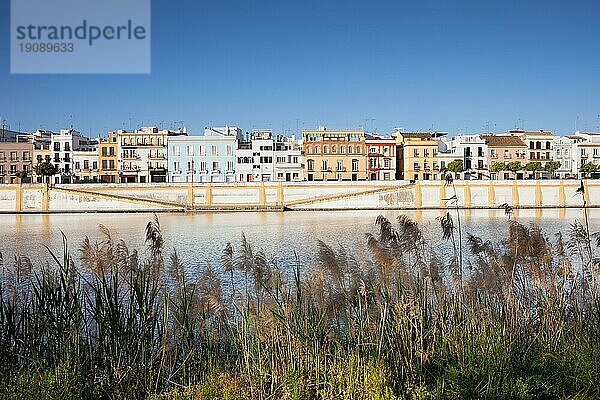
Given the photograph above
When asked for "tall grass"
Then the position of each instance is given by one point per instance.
(522, 320)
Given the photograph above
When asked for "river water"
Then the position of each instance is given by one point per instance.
(199, 238)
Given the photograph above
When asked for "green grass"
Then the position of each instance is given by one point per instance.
(520, 321)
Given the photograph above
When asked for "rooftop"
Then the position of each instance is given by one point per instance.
(503, 141)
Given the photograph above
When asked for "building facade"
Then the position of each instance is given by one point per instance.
(503, 150)
(85, 166)
(417, 156)
(207, 158)
(143, 154)
(564, 150)
(381, 155)
(471, 150)
(334, 155)
(15, 158)
(264, 158)
(63, 145)
(539, 149)
(108, 158)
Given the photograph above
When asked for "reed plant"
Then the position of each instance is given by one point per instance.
(520, 319)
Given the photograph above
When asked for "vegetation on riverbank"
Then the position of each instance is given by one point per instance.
(519, 318)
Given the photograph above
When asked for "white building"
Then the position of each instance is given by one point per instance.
(63, 146)
(587, 151)
(539, 149)
(143, 154)
(264, 158)
(564, 150)
(471, 150)
(207, 158)
(85, 166)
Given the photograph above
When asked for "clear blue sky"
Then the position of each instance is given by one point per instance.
(446, 65)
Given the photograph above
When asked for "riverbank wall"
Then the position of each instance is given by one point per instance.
(273, 196)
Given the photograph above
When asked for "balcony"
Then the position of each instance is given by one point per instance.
(158, 156)
(130, 157)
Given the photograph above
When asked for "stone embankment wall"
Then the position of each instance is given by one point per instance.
(296, 196)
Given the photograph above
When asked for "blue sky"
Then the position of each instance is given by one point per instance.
(445, 65)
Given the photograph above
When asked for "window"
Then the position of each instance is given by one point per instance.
(547, 145)
(426, 153)
(112, 151)
(350, 150)
(176, 166)
(104, 152)
(386, 163)
(310, 165)
(190, 150)
(333, 149)
(531, 144)
(215, 165)
(340, 165)
(325, 150)
(201, 150)
(372, 149)
(280, 159)
(77, 165)
(493, 153)
(213, 150)
(56, 146)
(13, 156)
(416, 166)
(342, 150)
(202, 165)
(416, 152)
(95, 164)
(190, 166)
(229, 165)
(324, 165)
(111, 164)
(354, 165)
(229, 150)
(176, 151)
(13, 169)
(358, 149)
(67, 146)
(26, 156)
(104, 164)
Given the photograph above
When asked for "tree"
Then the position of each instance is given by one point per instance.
(552, 166)
(514, 166)
(455, 166)
(45, 169)
(588, 168)
(22, 175)
(498, 167)
(534, 167)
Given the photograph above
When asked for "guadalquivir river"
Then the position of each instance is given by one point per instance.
(201, 237)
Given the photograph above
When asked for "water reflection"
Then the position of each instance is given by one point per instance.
(201, 237)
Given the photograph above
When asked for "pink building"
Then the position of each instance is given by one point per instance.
(504, 149)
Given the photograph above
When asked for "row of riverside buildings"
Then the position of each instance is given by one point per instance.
(226, 154)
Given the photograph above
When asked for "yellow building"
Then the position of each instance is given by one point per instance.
(334, 155)
(417, 156)
(108, 159)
